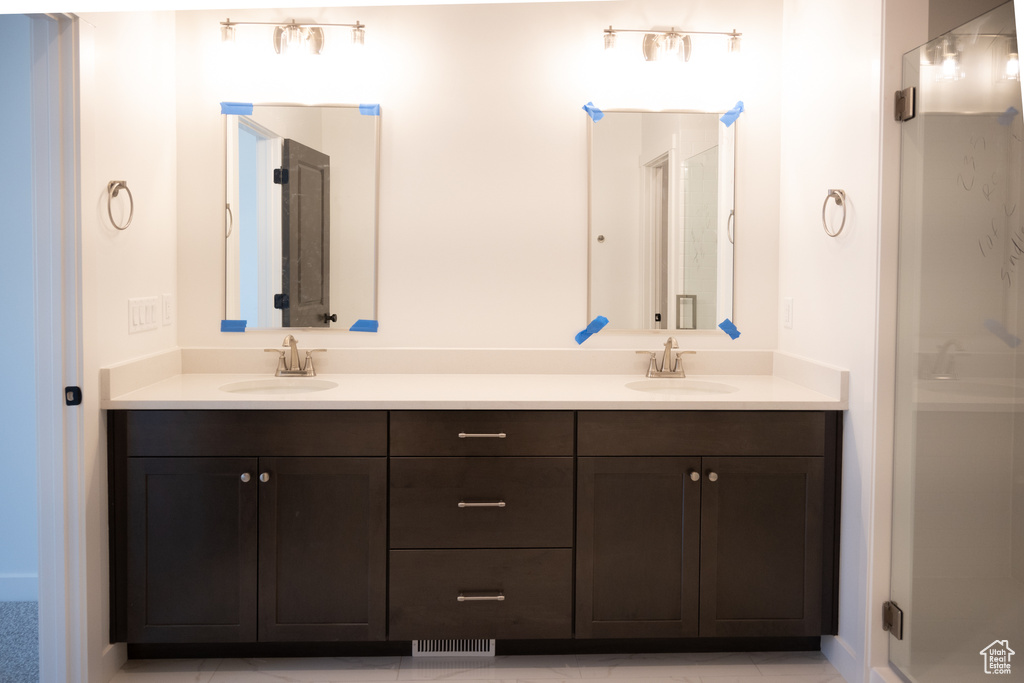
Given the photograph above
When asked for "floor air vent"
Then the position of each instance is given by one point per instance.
(453, 648)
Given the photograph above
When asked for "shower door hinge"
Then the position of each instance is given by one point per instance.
(280, 176)
(892, 619)
(906, 104)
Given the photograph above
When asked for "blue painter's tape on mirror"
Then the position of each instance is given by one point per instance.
(729, 117)
(729, 328)
(593, 111)
(369, 109)
(244, 108)
(1006, 118)
(364, 326)
(996, 328)
(232, 325)
(595, 326)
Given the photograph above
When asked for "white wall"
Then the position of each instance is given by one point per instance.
(831, 117)
(483, 219)
(19, 542)
(127, 133)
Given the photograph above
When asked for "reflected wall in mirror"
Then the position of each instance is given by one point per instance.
(301, 216)
(662, 220)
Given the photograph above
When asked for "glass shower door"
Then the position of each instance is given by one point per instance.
(958, 518)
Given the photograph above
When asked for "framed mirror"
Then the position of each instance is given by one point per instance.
(301, 216)
(662, 220)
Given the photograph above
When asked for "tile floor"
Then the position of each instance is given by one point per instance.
(747, 667)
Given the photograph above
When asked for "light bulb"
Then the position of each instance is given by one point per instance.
(949, 68)
(1013, 67)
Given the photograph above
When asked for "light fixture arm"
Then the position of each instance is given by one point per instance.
(310, 35)
(673, 30)
(298, 24)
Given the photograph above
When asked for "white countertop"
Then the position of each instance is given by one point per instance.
(468, 379)
(474, 391)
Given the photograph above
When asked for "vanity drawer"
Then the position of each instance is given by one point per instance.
(706, 432)
(482, 432)
(481, 502)
(168, 433)
(425, 586)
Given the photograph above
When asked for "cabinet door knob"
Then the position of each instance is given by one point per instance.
(265, 477)
(495, 504)
(712, 476)
(245, 477)
(499, 435)
(694, 475)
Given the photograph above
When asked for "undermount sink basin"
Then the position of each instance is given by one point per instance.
(680, 386)
(279, 385)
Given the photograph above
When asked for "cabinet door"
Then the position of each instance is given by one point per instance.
(323, 548)
(637, 563)
(761, 547)
(191, 550)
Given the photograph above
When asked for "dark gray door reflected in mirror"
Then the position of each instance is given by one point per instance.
(305, 236)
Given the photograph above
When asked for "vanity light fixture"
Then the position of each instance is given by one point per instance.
(950, 59)
(1011, 62)
(294, 36)
(671, 43)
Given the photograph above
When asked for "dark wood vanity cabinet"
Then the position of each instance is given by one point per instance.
(481, 525)
(287, 543)
(681, 534)
(306, 526)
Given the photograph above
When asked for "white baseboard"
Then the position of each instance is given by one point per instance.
(884, 675)
(19, 587)
(843, 658)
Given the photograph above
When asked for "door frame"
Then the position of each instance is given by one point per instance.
(58, 340)
(657, 208)
(267, 221)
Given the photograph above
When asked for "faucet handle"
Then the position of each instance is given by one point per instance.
(652, 365)
(308, 367)
(280, 360)
(677, 364)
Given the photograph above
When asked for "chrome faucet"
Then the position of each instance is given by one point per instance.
(289, 367)
(943, 368)
(671, 361)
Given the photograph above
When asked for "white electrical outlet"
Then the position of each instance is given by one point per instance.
(142, 314)
(167, 309)
(787, 311)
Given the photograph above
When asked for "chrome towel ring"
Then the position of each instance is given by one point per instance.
(113, 187)
(840, 197)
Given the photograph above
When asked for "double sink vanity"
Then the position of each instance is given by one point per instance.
(549, 508)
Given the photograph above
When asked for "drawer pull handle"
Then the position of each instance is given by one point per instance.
(499, 435)
(496, 504)
(497, 597)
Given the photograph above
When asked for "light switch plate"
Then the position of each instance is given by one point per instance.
(787, 311)
(142, 314)
(167, 309)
